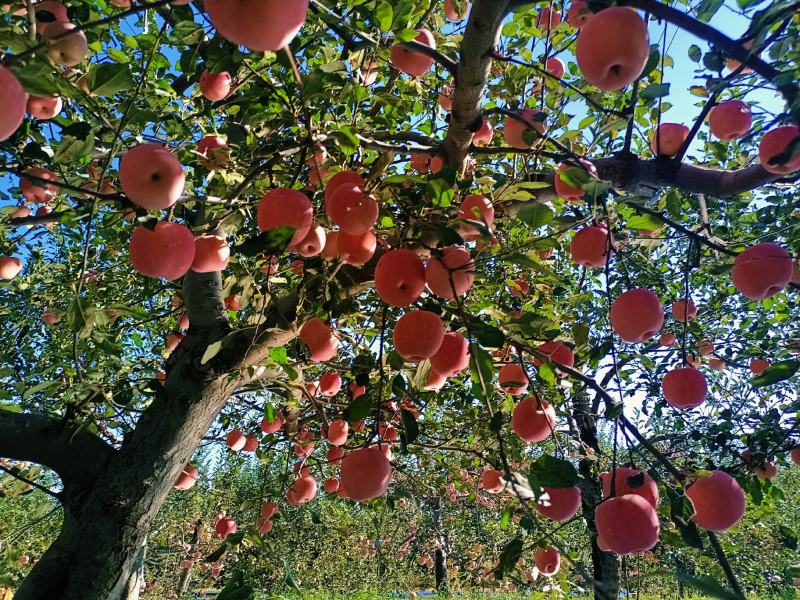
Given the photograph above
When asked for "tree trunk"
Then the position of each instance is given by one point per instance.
(440, 554)
(605, 565)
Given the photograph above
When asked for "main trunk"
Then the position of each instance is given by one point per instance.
(604, 564)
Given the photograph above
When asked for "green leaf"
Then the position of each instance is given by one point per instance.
(487, 335)
(347, 140)
(410, 426)
(107, 79)
(481, 367)
(656, 90)
(647, 222)
(535, 215)
(554, 472)
(787, 536)
(695, 54)
(383, 16)
(775, 373)
(707, 9)
(509, 558)
(708, 586)
(269, 242)
(358, 409)
(211, 351)
(547, 373)
(441, 188)
(652, 60)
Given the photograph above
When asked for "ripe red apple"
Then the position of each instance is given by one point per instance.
(335, 455)
(435, 381)
(519, 288)
(622, 485)
(453, 14)
(50, 318)
(235, 440)
(684, 311)
(13, 100)
(637, 315)
(187, 478)
(547, 560)
(705, 347)
(758, 366)
(667, 139)
(684, 388)
(568, 192)
(38, 193)
(512, 379)
(211, 254)
(302, 490)
(320, 339)
(422, 163)
(795, 455)
(286, 207)
(555, 66)
(330, 251)
(492, 481)
(272, 427)
(452, 357)
(331, 485)
(215, 86)
(338, 430)
(69, 50)
(341, 178)
(514, 129)
(356, 390)
(151, 176)
(330, 384)
(775, 142)
(311, 245)
(558, 352)
(43, 108)
(533, 420)
(761, 271)
(559, 504)
(607, 58)
(418, 334)
(578, 13)
(547, 19)
(365, 474)
(451, 275)
(484, 135)
(589, 246)
(411, 62)
(767, 471)
(356, 249)
(261, 25)
(477, 209)
(166, 251)
(250, 443)
(666, 339)
(399, 277)
(730, 120)
(627, 524)
(719, 502)
(354, 211)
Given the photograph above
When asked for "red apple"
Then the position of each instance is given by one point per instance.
(261, 25)
(151, 176)
(411, 62)
(637, 315)
(761, 271)
(668, 138)
(730, 120)
(215, 86)
(166, 251)
(13, 100)
(418, 335)
(718, 500)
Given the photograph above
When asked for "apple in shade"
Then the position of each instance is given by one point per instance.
(452, 357)
(67, 49)
(48, 12)
(775, 142)
(50, 318)
(547, 19)
(684, 387)
(356, 249)
(423, 163)
(556, 351)
(730, 120)
(418, 334)
(666, 339)
(335, 455)
(215, 86)
(151, 176)
(211, 254)
(512, 379)
(167, 251)
(338, 430)
(330, 384)
(608, 59)
(589, 247)
(411, 62)
(761, 271)
(209, 143)
(484, 135)
(578, 13)
(13, 100)
(758, 366)
(44, 107)
(452, 274)
(225, 527)
(492, 481)
(767, 471)
(353, 210)
(547, 560)
(187, 478)
(476, 209)
(399, 277)
(311, 245)
(235, 440)
(565, 190)
(261, 25)
(718, 501)
(9, 267)
(331, 485)
(555, 66)
(365, 474)
(533, 420)
(284, 207)
(627, 524)
(668, 138)
(684, 311)
(637, 315)
(456, 14)
(35, 191)
(320, 339)
(514, 129)
(559, 504)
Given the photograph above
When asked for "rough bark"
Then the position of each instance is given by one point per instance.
(440, 554)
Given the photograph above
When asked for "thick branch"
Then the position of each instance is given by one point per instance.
(75, 454)
(477, 48)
